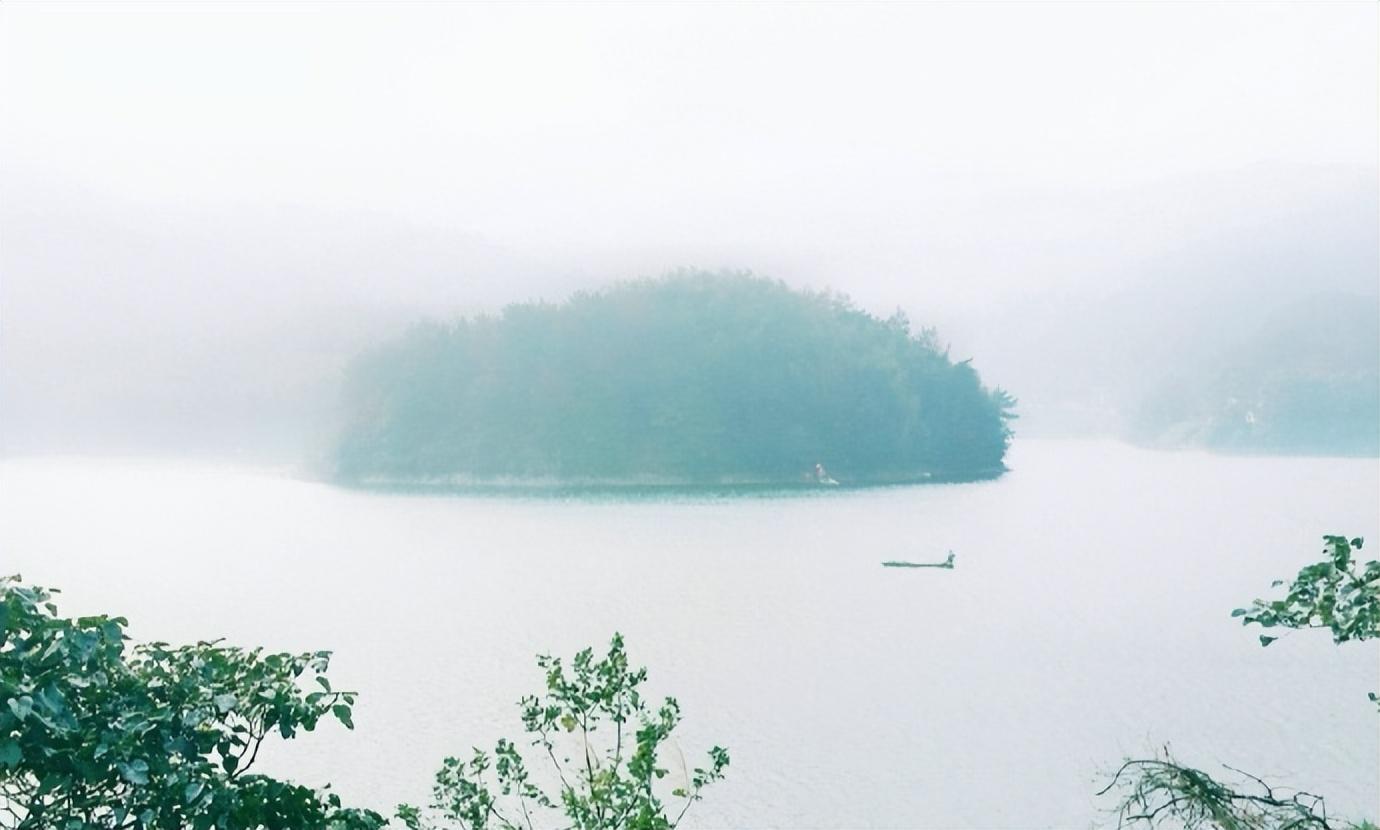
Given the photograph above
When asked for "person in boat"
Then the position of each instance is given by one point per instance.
(822, 475)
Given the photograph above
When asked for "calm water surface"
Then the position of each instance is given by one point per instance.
(1087, 620)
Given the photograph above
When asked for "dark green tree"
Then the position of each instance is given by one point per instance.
(599, 741)
(98, 733)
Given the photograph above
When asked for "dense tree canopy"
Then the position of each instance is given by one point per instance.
(689, 378)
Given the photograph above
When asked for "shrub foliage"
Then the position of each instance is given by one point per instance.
(600, 744)
(98, 733)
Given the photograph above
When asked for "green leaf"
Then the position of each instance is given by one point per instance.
(225, 702)
(342, 714)
(10, 754)
(135, 772)
(21, 706)
(193, 791)
(1265, 641)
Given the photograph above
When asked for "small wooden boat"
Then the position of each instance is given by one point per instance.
(947, 564)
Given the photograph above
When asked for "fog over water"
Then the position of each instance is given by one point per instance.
(208, 209)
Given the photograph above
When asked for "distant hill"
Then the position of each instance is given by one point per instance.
(1308, 382)
(685, 379)
(1164, 285)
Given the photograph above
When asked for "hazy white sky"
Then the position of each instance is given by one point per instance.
(240, 195)
(841, 131)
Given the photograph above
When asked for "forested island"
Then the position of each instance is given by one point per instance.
(693, 378)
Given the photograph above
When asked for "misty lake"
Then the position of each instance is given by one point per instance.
(1087, 619)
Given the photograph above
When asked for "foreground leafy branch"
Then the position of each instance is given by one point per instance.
(96, 733)
(1337, 594)
(600, 744)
